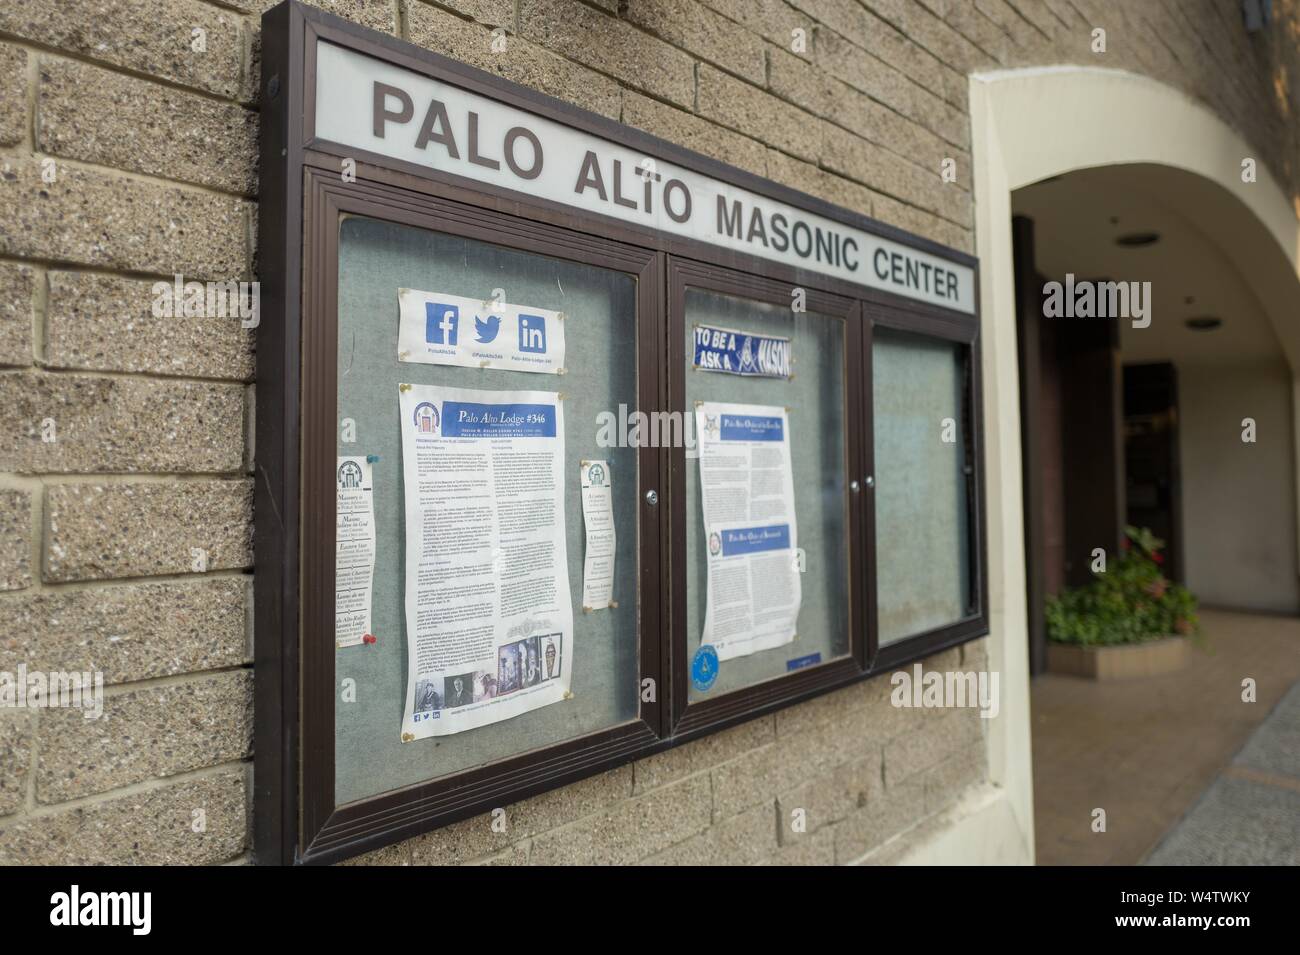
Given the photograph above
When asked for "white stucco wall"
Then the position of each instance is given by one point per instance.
(1239, 505)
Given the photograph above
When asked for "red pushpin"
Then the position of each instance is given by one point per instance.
(369, 638)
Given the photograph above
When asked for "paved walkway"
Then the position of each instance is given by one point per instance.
(1147, 750)
(1250, 815)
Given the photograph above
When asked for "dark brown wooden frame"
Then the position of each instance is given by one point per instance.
(922, 320)
(302, 195)
(330, 829)
(704, 716)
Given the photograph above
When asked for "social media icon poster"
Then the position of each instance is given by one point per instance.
(440, 329)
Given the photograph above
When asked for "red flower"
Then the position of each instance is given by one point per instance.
(1158, 557)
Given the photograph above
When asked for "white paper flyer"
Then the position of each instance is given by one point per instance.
(439, 329)
(598, 518)
(489, 618)
(354, 551)
(747, 492)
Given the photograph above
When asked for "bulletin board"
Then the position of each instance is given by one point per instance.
(384, 167)
(816, 398)
(921, 482)
(377, 258)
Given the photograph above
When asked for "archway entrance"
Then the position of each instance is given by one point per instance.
(1173, 416)
(1108, 128)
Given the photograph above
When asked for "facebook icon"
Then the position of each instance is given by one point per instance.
(532, 333)
(440, 323)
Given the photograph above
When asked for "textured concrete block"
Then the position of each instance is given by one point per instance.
(15, 539)
(685, 129)
(197, 821)
(883, 721)
(837, 707)
(757, 114)
(881, 819)
(914, 21)
(943, 783)
(806, 177)
(914, 752)
(944, 660)
(376, 14)
(492, 12)
(476, 839)
(883, 171)
(144, 734)
(975, 654)
(13, 94)
(462, 842)
(398, 854)
(745, 839)
(106, 323)
(158, 37)
(883, 82)
(864, 72)
(553, 809)
(130, 632)
(631, 830)
(520, 62)
(827, 798)
(91, 217)
(702, 754)
(883, 41)
(610, 46)
(698, 30)
(81, 424)
(782, 766)
(818, 848)
(1024, 22)
(980, 31)
(513, 856)
(803, 84)
(925, 224)
(103, 117)
(773, 20)
(15, 759)
(17, 288)
(95, 531)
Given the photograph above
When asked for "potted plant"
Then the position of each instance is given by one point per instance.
(1129, 621)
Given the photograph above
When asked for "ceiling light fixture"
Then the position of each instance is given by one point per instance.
(1133, 240)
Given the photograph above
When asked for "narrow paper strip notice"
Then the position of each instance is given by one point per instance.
(598, 515)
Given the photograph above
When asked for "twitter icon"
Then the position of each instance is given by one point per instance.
(486, 329)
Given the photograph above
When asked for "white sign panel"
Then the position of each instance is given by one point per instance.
(440, 329)
(367, 104)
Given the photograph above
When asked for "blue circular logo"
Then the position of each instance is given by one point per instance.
(704, 668)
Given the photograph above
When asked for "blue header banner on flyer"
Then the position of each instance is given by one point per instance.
(752, 428)
(466, 420)
(749, 540)
(739, 353)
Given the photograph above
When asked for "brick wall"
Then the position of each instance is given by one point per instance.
(152, 146)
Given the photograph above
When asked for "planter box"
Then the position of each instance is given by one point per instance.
(1123, 661)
